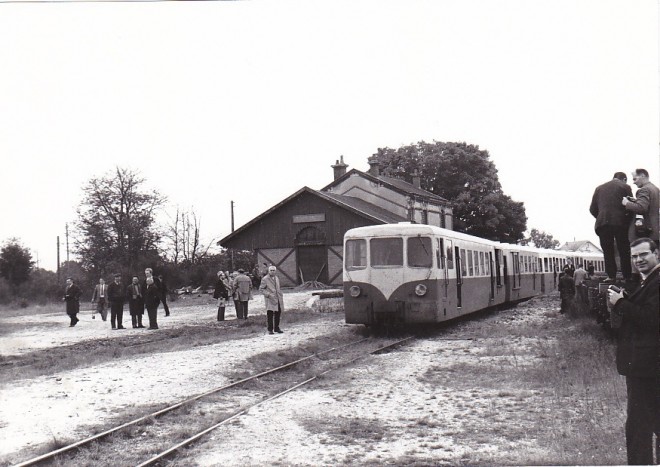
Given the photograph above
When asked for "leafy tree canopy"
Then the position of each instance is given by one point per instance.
(116, 225)
(465, 175)
(15, 262)
(540, 239)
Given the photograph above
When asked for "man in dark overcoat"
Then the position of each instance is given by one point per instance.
(638, 351)
(72, 295)
(152, 297)
(135, 296)
(116, 299)
(612, 221)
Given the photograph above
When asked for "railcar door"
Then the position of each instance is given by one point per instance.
(459, 275)
(442, 263)
(492, 276)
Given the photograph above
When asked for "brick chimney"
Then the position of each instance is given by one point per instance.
(339, 168)
(374, 166)
(416, 179)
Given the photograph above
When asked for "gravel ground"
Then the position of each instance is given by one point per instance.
(410, 406)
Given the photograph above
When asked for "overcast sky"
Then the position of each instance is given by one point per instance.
(250, 101)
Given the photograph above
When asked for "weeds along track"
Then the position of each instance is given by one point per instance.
(159, 435)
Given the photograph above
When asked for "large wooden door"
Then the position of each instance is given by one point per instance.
(312, 263)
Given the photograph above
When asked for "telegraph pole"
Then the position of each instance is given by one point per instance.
(58, 258)
(232, 230)
(66, 226)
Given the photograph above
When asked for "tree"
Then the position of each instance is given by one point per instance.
(116, 226)
(184, 236)
(15, 262)
(464, 175)
(540, 239)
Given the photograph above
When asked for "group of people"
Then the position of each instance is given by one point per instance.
(140, 295)
(622, 218)
(572, 287)
(633, 225)
(238, 287)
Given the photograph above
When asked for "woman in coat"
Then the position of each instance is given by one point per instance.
(222, 294)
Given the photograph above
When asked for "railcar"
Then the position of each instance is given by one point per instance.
(417, 273)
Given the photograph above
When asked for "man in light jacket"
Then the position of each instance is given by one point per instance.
(270, 286)
(242, 290)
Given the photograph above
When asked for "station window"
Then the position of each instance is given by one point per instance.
(420, 252)
(386, 251)
(356, 254)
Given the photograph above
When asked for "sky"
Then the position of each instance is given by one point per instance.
(213, 102)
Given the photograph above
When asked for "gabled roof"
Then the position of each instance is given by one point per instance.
(392, 183)
(357, 206)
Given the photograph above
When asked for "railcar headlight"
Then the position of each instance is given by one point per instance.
(354, 291)
(420, 290)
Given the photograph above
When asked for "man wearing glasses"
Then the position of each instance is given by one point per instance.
(638, 351)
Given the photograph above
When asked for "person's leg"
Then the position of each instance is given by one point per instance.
(269, 314)
(245, 309)
(622, 244)
(606, 237)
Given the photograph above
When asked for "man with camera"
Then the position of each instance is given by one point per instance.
(638, 351)
(645, 206)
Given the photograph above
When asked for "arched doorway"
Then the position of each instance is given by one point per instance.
(311, 255)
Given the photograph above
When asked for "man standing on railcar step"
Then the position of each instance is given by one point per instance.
(612, 223)
(638, 352)
(645, 205)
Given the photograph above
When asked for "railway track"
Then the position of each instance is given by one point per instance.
(221, 401)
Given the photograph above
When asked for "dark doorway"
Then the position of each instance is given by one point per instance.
(312, 263)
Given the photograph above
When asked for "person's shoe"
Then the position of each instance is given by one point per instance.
(121, 327)
(72, 325)
(279, 331)
(93, 316)
(114, 328)
(270, 332)
(153, 327)
(167, 314)
(141, 326)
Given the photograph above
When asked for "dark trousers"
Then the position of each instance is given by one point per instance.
(244, 306)
(238, 305)
(274, 318)
(566, 305)
(163, 300)
(152, 312)
(608, 235)
(102, 309)
(136, 320)
(74, 318)
(116, 314)
(642, 419)
(221, 313)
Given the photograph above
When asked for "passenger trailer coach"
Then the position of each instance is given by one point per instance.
(417, 273)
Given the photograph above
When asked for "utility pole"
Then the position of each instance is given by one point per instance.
(232, 230)
(232, 216)
(58, 258)
(66, 226)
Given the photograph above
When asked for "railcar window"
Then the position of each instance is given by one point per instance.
(463, 268)
(356, 254)
(482, 266)
(420, 252)
(450, 255)
(386, 251)
(470, 263)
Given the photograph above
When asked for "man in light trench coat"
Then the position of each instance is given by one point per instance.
(270, 286)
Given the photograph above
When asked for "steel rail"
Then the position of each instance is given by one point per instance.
(195, 437)
(167, 409)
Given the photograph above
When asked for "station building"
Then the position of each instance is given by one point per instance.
(303, 234)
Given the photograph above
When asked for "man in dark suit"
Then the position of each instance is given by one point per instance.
(135, 296)
(612, 221)
(637, 351)
(72, 295)
(116, 299)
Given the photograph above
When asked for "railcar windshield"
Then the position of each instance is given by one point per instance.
(356, 254)
(420, 252)
(386, 251)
